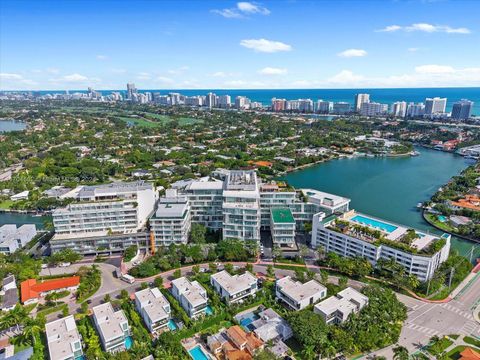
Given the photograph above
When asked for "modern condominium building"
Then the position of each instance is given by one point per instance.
(435, 105)
(399, 109)
(110, 215)
(13, 238)
(154, 308)
(462, 110)
(63, 339)
(354, 234)
(373, 109)
(360, 99)
(112, 326)
(234, 288)
(191, 296)
(171, 221)
(282, 227)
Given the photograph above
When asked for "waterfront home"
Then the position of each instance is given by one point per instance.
(336, 309)
(154, 308)
(470, 202)
(234, 288)
(31, 291)
(191, 296)
(63, 339)
(112, 327)
(13, 238)
(353, 234)
(20, 196)
(297, 295)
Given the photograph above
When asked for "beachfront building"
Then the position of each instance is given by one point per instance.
(353, 234)
(282, 227)
(191, 295)
(107, 217)
(171, 221)
(234, 288)
(336, 309)
(13, 238)
(298, 295)
(112, 327)
(154, 308)
(63, 339)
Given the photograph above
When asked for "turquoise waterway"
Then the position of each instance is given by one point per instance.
(389, 188)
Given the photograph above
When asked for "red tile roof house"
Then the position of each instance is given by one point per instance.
(31, 291)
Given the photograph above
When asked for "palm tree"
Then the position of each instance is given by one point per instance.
(400, 353)
(31, 330)
(309, 352)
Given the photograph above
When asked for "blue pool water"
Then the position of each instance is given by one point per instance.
(197, 353)
(246, 322)
(128, 342)
(442, 218)
(208, 310)
(171, 325)
(363, 220)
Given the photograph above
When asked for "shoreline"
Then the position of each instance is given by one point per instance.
(476, 241)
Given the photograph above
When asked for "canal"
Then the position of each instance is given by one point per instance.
(389, 188)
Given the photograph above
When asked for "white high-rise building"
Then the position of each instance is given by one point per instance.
(415, 110)
(373, 109)
(324, 107)
(224, 101)
(360, 99)
(211, 100)
(242, 102)
(131, 89)
(435, 105)
(399, 109)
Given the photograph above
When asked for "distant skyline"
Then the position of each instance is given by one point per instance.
(59, 45)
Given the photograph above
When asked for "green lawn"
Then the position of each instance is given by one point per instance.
(6, 204)
(440, 346)
(139, 122)
(454, 354)
(472, 341)
(442, 225)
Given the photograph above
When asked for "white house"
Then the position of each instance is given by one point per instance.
(234, 288)
(63, 339)
(154, 308)
(297, 295)
(191, 296)
(337, 309)
(112, 326)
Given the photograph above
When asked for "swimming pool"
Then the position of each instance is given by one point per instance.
(197, 353)
(208, 310)
(247, 321)
(442, 218)
(363, 220)
(128, 342)
(171, 325)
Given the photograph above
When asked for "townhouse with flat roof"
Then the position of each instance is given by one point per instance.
(336, 309)
(191, 295)
(354, 234)
(63, 339)
(112, 327)
(154, 308)
(111, 216)
(234, 288)
(298, 295)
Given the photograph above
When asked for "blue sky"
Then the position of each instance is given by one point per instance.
(226, 44)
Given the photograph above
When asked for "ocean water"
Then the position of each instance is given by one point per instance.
(387, 96)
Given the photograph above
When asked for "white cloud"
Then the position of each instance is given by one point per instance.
(53, 71)
(252, 8)
(228, 13)
(102, 57)
(12, 81)
(264, 45)
(427, 28)
(413, 49)
(352, 53)
(434, 69)
(345, 77)
(74, 78)
(144, 76)
(243, 8)
(164, 80)
(272, 71)
(220, 74)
